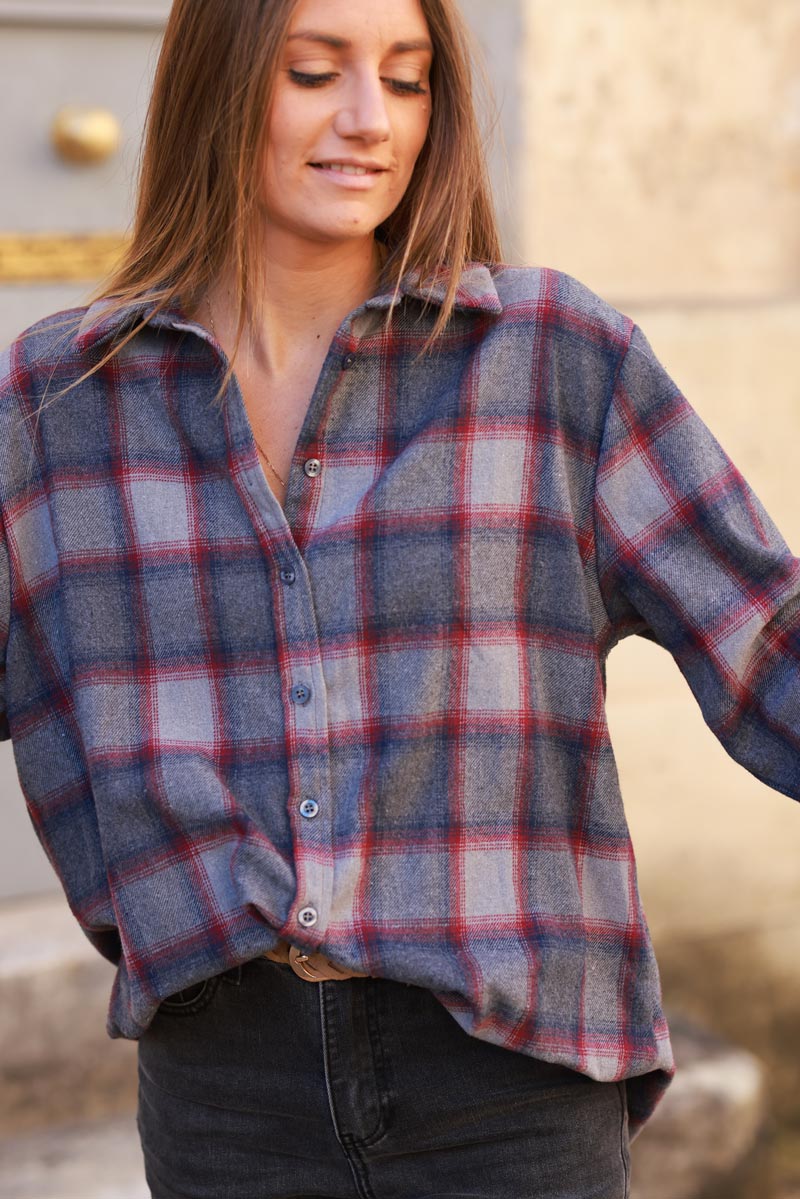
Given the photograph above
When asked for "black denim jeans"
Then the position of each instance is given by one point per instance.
(259, 1085)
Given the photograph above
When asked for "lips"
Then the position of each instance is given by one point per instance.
(347, 168)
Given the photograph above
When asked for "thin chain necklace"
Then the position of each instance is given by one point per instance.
(260, 448)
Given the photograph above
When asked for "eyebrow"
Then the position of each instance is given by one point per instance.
(340, 43)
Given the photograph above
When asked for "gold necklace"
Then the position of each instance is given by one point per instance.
(261, 451)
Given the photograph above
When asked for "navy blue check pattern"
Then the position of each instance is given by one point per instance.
(416, 644)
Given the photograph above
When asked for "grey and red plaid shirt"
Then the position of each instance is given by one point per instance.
(374, 725)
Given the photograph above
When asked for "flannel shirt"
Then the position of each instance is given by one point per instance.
(373, 725)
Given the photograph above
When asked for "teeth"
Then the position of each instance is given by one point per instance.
(344, 169)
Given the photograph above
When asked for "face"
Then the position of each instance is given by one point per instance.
(350, 115)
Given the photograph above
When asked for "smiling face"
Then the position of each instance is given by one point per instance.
(349, 117)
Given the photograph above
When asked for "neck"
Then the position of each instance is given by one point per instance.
(304, 299)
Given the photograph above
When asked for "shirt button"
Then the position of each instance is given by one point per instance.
(348, 362)
(288, 576)
(309, 808)
(307, 917)
(312, 467)
(301, 694)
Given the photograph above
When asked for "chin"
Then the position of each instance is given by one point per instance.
(343, 232)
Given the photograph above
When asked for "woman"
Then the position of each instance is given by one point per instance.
(304, 664)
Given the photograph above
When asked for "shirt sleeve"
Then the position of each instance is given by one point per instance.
(687, 556)
(5, 615)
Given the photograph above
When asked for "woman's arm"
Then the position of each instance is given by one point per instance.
(687, 555)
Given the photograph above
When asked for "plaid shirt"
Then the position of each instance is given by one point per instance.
(374, 725)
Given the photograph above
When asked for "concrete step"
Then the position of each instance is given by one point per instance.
(56, 1062)
(709, 1126)
(96, 1161)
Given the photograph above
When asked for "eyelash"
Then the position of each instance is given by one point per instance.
(400, 86)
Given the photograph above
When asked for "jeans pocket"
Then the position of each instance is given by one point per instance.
(190, 1000)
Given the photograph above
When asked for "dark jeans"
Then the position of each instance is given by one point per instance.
(259, 1085)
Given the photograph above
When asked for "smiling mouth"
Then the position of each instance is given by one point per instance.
(344, 168)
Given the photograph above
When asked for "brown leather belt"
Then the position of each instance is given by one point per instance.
(311, 967)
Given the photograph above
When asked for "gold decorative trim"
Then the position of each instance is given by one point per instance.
(58, 257)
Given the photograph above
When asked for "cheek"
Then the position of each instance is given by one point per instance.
(415, 135)
(290, 127)
(424, 125)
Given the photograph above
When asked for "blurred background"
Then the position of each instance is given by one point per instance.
(652, 149)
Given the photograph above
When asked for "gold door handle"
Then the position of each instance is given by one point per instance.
(85, 136)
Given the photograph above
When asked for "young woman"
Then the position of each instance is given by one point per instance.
(317, 529)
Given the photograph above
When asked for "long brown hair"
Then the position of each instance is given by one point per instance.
(198, 189)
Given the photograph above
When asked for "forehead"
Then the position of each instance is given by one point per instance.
(361, 22)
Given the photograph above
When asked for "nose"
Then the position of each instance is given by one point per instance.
(364, 114)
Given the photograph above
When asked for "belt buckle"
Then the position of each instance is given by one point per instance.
(314, 967)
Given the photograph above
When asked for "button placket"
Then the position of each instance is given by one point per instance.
(306, 713)
(311, 809)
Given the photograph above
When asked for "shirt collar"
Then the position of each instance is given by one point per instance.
(476, 293)
(101, 322)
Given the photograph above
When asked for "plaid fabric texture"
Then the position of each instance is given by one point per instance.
(375, 725)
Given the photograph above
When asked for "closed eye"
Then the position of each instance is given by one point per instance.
(407, 88)
(306, 80)
(402, 87)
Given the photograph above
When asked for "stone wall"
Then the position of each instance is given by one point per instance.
(664, 146)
